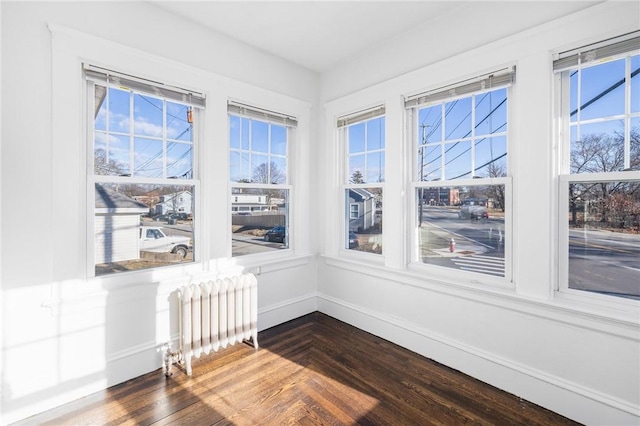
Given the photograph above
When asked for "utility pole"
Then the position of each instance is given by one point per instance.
(421, 171)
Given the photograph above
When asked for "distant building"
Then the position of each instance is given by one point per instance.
(177, 202)
(251, 203)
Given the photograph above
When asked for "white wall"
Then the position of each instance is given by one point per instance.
(65, 334)
(580, 360)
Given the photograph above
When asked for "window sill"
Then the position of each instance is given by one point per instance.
(561, 309)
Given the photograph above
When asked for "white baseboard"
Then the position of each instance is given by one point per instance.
(273, 315)
(568, 399)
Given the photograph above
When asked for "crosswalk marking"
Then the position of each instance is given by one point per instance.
(482, 264)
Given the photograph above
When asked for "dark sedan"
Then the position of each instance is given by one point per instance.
(275, 235)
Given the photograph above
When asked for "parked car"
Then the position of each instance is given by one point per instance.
(153, 238)
(473, 212)
(276, 235)
(353, 240)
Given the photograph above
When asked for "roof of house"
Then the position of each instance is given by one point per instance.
(115, 202)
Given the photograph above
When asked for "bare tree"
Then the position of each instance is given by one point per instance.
(104, 166)
(268, 173)
(610, 203)
(496, 192)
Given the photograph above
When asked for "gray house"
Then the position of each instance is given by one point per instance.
(362, 208)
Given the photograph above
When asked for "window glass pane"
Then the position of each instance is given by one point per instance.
(179, 160)
(604, 237)
(602, 90)
(234, 132)
(356, 166)
(635, 144)
(119, 108)
(457, 158)
(240, 170)
(430, 127)
(598, 148)
(430, 163)
(100, 112)
(147, 115)
(462, 228)
(573, 95)
(458, 119)
(364, 219)
(375, 167)
(259, 220)
(262, 169)
(142, 226)
(278, 140)
(111, 155)
(375, 134)
(259, 136)
(635, 83)
(491, 157)
(178, 126)
(245, 132)
(148, 158)
(491, 112)
(278, 170)
(356, 138)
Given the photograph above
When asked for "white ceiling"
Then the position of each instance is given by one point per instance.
(320, 35)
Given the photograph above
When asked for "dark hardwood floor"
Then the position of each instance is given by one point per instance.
(314, 370)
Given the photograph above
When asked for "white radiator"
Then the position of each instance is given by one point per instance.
(213, 315)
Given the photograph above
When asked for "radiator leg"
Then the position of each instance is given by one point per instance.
(170, 357)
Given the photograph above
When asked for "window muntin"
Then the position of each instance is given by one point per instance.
(259, 173)
(363, 136)
(599, 178)
(141, 149)
(463, 138)
(460, 181)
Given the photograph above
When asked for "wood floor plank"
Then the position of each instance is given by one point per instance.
(314, 370)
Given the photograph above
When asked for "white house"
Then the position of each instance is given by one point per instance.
(67, 333)
(116, 226)
(177, 202)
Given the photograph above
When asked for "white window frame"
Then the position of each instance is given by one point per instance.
(474, 86)
(580, 58)
(343, 124)
(93, 75)
(290, 123)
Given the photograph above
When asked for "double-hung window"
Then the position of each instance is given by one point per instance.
(599, 180)
(363, 143)
(142, 171)
(260, 147)
(461, 184)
